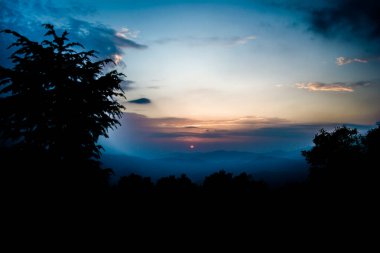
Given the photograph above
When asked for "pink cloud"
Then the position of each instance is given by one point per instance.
(317, 86)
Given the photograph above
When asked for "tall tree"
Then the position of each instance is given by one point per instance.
(57, 100)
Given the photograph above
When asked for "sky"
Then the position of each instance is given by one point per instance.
(237, 75)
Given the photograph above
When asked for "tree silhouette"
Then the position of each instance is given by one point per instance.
(337, 159)
(55, 103)
(57, 100)
(372, 143)
(135, 184)
(219, 182)
(174, 185)
(370, 164)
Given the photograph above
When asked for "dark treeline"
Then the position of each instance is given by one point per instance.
(217, 183)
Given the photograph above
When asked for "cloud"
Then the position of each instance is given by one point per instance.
(140, 101)
(243, 40)
(362, 83)
(154, 87)
(317, 86)
(336, 87)
(123, 41)
(26, 17)
(174, 132)
(350, 18)
(104, 39)
(181, 135)
(145, 134)
(346, 60)
(47, 7)
(117, 58)
(126, 85)
(127, 33)
(185, 128)
(205, 41)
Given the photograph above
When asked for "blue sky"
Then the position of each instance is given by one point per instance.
(218, 73)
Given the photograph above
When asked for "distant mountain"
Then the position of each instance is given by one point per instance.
(273, 169)
(218, 154)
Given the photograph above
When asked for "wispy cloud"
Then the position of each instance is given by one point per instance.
(248, 133)
(154, 87)
(317, 86)
(242, 122)
(127, 33)
(174, 127)
(179, 130)
(127, 85)
(243, 40)
(205, 41)
(335, 87)
(346, 60)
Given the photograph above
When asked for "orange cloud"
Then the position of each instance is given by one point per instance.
(317, 86)
(117, 58)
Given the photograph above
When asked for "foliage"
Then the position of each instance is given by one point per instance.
(57, 100)
(331, 148)
(343, 158)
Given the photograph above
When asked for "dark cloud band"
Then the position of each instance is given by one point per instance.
(27, 17)
(352, 17)
(141, 101)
